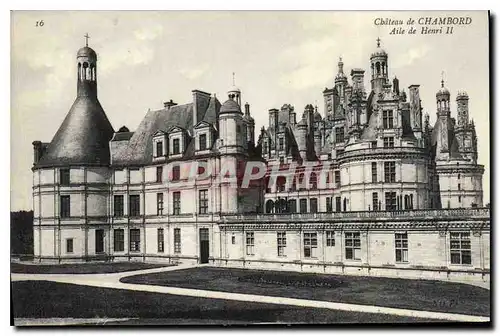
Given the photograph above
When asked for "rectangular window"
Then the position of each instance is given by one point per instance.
(338, 203)
(401, 241)
(69, 245)
(292, 205)
(65, 205)
(203, 141)
(375, 201)
(281, 236)
(119, 240)
(159, 148)
(310, 244)
(330, 238)
(118, 206)
(389, 171)
(233, 240)
(176, 173)
(203, 201)
(339, 134)
(135, 240)
(64, 176)
(374, 144)
(250, 243)
(281, 144)
(176, 146)
(388, 142)
(159, 204)
(337, 178)
(352, 246)
(390, 201)
(161, 240)
(460, 248)
(159, 174)
(313, 204)
(388, 119)
(303, 205)
(176, 202)
(374, 172)
(134, 205)
(177, 240)
(329, 204)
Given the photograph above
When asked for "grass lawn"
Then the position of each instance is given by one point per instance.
(88, 268)
(45, 299)
(429, 295)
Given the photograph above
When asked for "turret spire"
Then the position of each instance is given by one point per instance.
(86, 39)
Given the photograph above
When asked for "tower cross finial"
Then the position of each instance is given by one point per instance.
(378, 41)
(86, 39)
(233, 79)
(442, 79)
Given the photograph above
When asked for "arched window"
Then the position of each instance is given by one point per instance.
(269, 206)
(85, 69)
(377, 68)
(281, 205)
(345, 204)
(79, 71)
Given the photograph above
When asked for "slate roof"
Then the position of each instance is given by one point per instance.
(452, 140)
(83, 137)
(139, 150)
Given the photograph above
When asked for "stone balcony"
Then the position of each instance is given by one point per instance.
(459, 214)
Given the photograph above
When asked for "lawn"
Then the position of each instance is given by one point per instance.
(87, 268)
(44, 299)
(429, 295)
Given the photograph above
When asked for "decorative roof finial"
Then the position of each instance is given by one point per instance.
(378, 42)
(442, 79)
(86, 39)
(233, 79)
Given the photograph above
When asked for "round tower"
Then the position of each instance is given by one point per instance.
(87, 71)
(75, 164)
(463, 109)
(232, 128)
(443, 101)
(379, 68)
(341, 80)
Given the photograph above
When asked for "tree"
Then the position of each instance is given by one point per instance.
(21, 232)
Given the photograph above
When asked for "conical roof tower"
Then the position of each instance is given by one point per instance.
(83, 137)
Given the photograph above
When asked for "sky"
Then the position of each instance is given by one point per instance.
(278, 57)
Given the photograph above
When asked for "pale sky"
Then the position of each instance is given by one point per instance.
(146, 58)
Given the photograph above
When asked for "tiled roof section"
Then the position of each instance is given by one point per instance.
(140, 147)
(212, 114)
(83, 137)
(452, 140)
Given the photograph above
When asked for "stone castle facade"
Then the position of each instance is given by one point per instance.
(367, 188)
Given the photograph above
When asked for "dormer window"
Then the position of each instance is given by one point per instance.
(387, 119)
(159, 148)
(203, 141)
(176, 146)
(159, 145)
